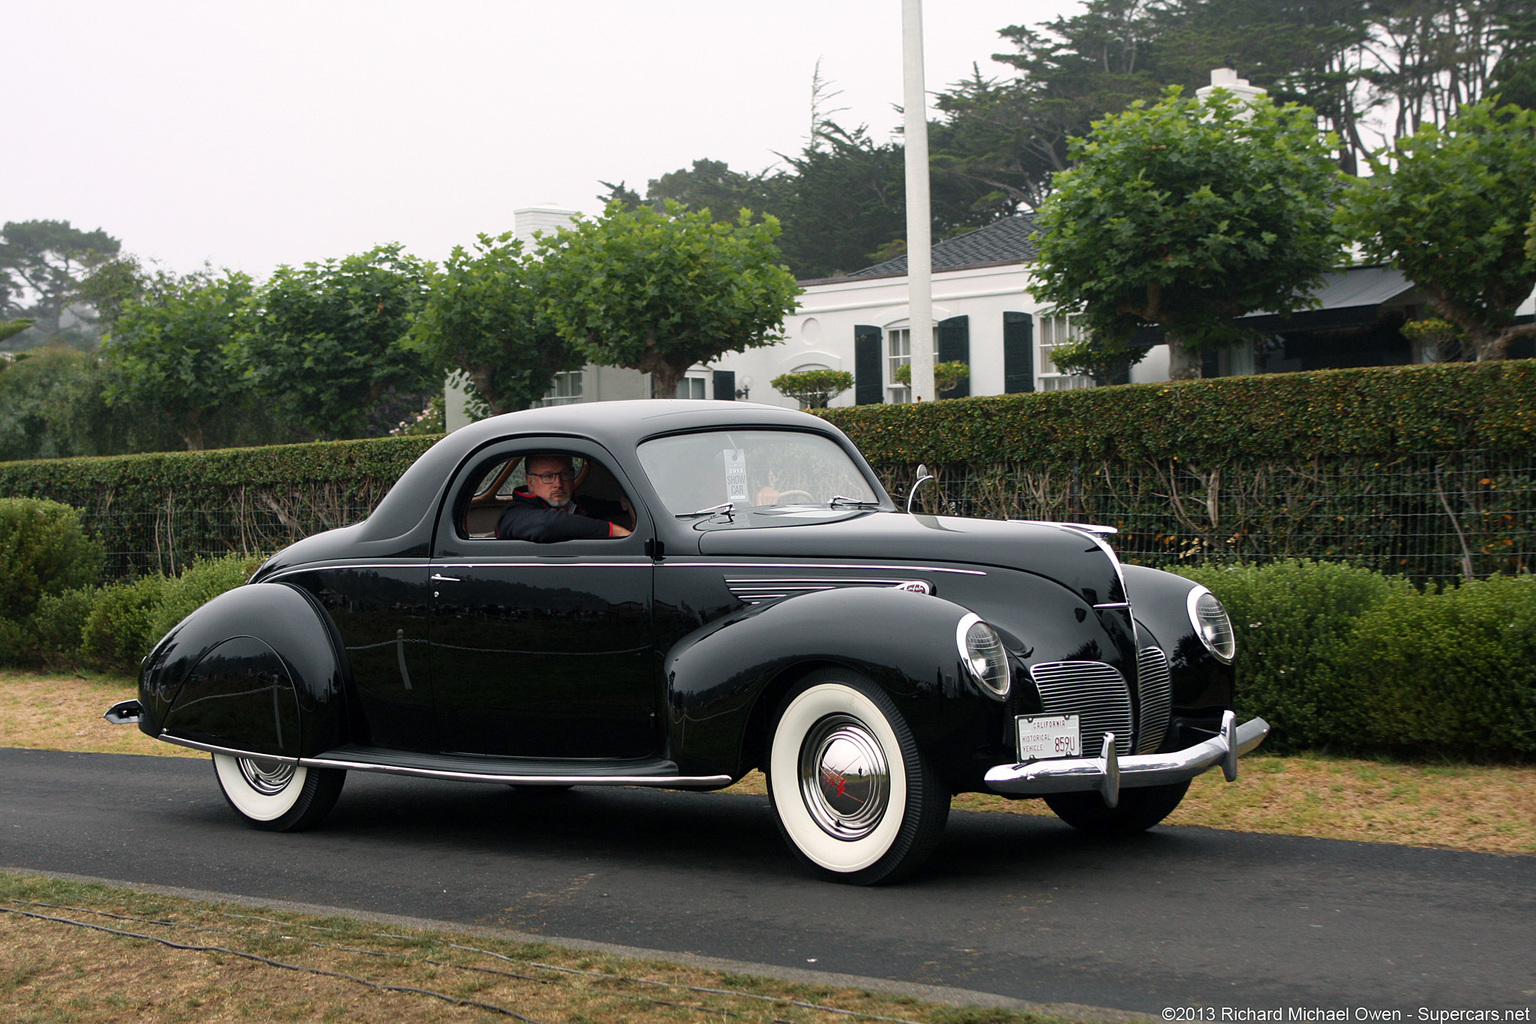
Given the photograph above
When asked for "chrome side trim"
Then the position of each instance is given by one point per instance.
(767, 565)
(1106, 773)
(755, 591)
(679, 781)
(214, 748)
(664, 781)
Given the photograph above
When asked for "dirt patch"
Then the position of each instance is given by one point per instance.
(58, 712)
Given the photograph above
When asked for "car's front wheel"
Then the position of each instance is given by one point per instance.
(1137, 811)
(276, 795)
(854, 798)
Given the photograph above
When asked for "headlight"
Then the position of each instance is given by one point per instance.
(981, 649)
(1210, 620)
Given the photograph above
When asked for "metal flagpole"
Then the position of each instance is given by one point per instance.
(919, 232)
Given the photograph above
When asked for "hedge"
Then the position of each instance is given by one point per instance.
(1376, 411)
(1424, 470)
(158, 511)
(1341, 659)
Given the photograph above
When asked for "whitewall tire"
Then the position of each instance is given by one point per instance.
(852, 795)
(277, 796)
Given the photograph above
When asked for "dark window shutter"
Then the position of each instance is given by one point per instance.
(955, 346)
(1018, 353)
(868, 375)
(725, 385)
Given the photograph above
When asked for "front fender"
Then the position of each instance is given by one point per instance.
(257, 669)
(725, 680)
(1160, 602)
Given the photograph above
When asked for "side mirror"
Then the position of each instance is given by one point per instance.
(923, 476)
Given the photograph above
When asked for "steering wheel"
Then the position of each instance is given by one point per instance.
(804, 494)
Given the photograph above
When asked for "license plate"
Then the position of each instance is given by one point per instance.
(1043, 736)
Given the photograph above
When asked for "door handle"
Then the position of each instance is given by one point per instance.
(440, 578)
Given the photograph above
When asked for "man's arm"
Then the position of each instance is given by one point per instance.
(520, 521)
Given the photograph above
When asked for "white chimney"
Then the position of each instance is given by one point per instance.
(1226, 78)
(546, 219)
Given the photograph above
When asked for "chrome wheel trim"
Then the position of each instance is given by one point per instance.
(845, 780)
(839, 853)
(257, 795)
(268, 778)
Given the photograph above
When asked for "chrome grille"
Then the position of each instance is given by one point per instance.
(1093, 691)
(1154, 687)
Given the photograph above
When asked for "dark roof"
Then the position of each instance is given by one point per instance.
(1006, 241)
(1349, 296)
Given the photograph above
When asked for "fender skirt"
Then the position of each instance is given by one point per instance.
(254, 669)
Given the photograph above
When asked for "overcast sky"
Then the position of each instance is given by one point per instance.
(252, 133)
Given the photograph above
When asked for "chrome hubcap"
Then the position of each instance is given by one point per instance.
(844, 779)
(268, 778)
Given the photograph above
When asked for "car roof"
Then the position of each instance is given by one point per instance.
(617, 426)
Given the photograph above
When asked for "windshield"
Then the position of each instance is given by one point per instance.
(750, 469)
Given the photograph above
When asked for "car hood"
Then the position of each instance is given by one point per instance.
(1074, 558)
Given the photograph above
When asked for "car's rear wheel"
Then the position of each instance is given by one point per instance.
(277, 796)
(854, 798)
(1138, 809)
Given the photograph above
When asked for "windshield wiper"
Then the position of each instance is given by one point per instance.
(838, 501)
(726, 508)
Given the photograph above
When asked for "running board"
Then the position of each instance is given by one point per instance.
(517, 771)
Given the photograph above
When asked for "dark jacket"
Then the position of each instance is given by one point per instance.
(533, 518)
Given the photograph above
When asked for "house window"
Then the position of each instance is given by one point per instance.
(690, 387)
(564, 389)
(1054, 331)
(898, 352)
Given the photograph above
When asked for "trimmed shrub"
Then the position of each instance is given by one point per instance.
(15, 643)
(1294, 623)
(203, 581)
(57, 627)
(1452, 672)
(42, 551)
(117, 634)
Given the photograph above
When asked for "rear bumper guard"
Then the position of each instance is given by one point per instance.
(1109, 773)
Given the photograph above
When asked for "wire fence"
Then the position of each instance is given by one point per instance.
(1432, 517)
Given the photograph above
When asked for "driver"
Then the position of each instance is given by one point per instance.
(544, 510)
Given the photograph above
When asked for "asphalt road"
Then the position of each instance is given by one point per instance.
(1014, 905)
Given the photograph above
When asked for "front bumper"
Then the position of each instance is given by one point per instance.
(1109, 773)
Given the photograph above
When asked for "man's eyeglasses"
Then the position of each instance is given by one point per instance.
(549, 478)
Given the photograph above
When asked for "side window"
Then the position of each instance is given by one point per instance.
(566, 483)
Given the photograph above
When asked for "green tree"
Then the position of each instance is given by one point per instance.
(331, 338)
(1011, 136)
(44, 261)
(1185, 215)
(1450, 209)
(659, 292)
(711, 185)
(174, 355)
(11, 328)
(482, 316)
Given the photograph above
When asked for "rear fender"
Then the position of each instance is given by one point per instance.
(726, 679)
(255, 669)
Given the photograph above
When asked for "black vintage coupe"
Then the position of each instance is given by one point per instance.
(772, 608)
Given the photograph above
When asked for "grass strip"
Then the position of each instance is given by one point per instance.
(86, 952)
